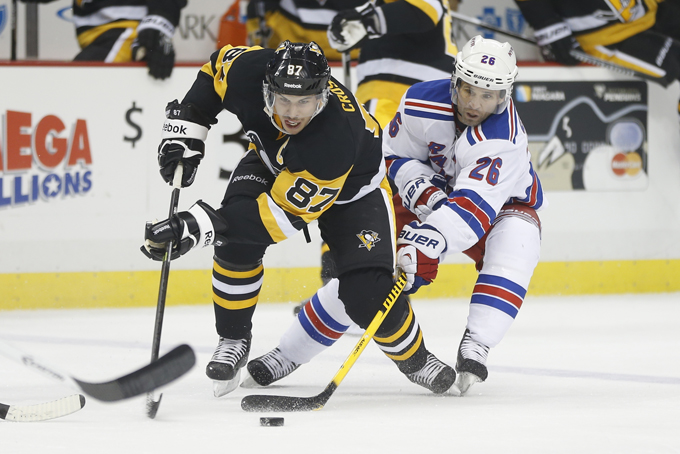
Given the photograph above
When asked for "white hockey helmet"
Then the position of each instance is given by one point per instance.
(485, 63)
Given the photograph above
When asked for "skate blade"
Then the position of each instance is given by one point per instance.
(249, 382)
(224, 387)
(464, 380)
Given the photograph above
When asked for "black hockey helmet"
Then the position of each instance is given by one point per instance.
(296, 69)
(299, 69)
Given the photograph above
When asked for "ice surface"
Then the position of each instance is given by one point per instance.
(573, 375)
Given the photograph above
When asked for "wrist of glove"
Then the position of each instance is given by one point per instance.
(419, 248)
(556, 42)
(153, 44)
(422, 196)
(201, 226)
(182, 140)
(349, 28)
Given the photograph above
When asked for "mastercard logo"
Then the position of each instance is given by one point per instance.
(626, 164)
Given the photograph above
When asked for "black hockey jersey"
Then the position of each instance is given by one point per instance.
(88, 14)
(416, 47)
(335, 159)
(593, 22)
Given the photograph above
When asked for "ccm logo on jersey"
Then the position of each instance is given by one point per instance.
(419, 238)
(176, 129)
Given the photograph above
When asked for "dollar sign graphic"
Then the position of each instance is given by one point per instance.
(128, 114)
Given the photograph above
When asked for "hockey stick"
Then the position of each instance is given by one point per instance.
(577, 54)
(13, 26)
(479, 23)
(288, 403)
(346, 68)
(42, 412)
(151, 403)
(169, 367)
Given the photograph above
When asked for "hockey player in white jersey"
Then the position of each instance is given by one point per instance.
(457, 151)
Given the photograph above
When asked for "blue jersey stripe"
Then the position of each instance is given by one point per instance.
(429, 115)
(496, 303)
(503, 283)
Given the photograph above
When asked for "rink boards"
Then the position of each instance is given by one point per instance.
(79, 179)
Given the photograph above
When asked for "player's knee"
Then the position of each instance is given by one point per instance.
(363, 292)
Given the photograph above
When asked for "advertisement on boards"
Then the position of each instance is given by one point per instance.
(586, 135)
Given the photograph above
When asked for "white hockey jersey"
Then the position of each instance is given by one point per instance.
(485, 166)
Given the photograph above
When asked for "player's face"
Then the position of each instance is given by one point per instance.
(295, 112)
(476, 104)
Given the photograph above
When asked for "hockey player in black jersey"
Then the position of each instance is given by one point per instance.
(314, 154)
(118, 31)
(643, 35)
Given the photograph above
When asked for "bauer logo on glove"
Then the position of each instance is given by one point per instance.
(419, 248)
(200, 226)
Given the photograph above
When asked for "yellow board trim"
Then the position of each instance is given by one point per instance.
(187, 287)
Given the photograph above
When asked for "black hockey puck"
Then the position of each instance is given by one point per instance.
(271, 421)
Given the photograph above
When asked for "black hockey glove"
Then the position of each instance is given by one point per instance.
(349, 28)
(556, 42)
(184, 133)
(200, 226)
(154, 45)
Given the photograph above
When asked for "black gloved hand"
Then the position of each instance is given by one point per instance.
(556, 42)
(349, 28)
(201, 226)
(184, 133)
(154, 45)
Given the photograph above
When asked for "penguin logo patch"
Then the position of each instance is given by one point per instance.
(368, 239)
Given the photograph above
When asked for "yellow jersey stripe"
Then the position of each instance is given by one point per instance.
(235, 305)
(269, 219)
(430, 7)
(237, 274)
(410, 351)
(400, 332)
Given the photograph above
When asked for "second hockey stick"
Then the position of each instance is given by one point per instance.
(42, 412)
(152, 404)
(169, 367)
(288, 403)
(346, 70)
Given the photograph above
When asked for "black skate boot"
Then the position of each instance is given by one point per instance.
(471, 363)
(435, 375)
(225, 366)
(267, 369)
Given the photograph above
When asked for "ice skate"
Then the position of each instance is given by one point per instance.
(471, 363)
(435, 375)
(225, 366)
(267, 369)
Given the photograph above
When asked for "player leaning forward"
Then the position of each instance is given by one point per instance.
(457, 151)
(314, 153)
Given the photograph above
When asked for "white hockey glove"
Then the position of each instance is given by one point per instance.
(350, 27)
(419, 248)
(184, 133)
(200, 226)
(422, 196)
(154, 45)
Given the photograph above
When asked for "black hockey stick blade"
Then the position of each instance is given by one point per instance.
(167, 368)
(44, 411)
(288, 403)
